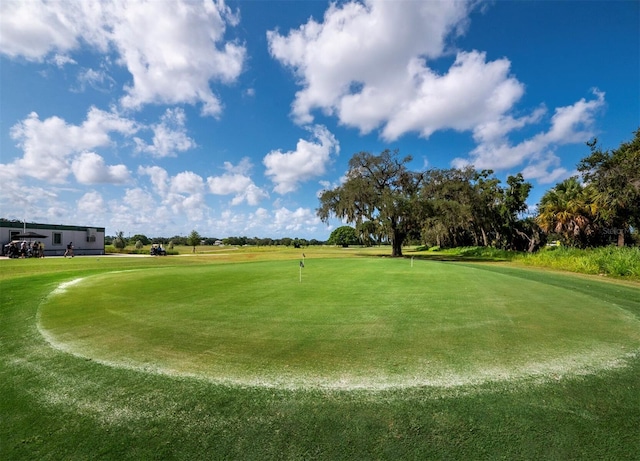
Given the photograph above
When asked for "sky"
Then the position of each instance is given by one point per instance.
(229, 118)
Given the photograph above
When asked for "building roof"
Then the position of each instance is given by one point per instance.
(21, 225)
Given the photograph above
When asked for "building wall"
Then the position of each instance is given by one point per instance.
(86, 240)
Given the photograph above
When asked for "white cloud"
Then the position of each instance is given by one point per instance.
(569, 125)
(547, 170)
(572, 124)
(179, 195)
(237, 182)
(99, 80)
(285, 220)
(187, 182)
(90, 168)
(472, 92)
(91, 205)
(349, 67)
(182, 194)
(159, 178)
(49, 144)
(139, 200)
(309, 160)
(170, 136)
(32, 29)
(61, 60)
(171, 49)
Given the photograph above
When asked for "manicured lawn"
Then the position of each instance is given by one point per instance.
(366, 358)
(430, 324)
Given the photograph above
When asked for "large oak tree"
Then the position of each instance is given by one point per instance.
(379, 189)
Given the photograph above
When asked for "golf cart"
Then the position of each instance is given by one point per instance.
(157, 250)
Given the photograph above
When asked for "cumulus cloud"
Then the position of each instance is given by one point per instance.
(179, 195)
(309, 160)
(91, 204)
(33, 29)
(90, 168)
(400, 83)
(172, 50)
(237, 182)
(348, 67)
(295, 220)
(568, 125)
(169, 136)
(187, 182)
(49, 145)
(158, 176)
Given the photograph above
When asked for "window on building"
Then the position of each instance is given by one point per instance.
(57, 238)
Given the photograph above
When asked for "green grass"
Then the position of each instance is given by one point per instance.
(615, 261)
(256, 322)
(619, 262)
(57, 405)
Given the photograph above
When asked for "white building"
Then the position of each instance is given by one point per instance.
(55, 238)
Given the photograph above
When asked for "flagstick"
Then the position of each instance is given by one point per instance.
(300, 274)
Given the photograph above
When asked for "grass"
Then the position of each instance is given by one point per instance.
(256, 322)
(614, 261)
(57, 405)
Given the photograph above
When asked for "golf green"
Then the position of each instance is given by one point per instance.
(367, 323)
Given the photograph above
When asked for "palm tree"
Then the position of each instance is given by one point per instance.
(569, 210)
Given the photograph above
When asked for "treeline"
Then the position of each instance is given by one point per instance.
(179, 240)
(466, 207)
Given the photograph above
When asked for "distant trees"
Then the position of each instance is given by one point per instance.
(140, 238)
(194, 239)
(344, 236)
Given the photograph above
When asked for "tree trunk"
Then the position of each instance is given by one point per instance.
(396, 243)
(620, 237)
(484, 237)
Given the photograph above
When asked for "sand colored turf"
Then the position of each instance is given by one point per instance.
(365, 323)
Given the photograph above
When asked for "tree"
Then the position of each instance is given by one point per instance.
(615, 178)
(568, 210)
(119, 242)
(378, 188)
(513, 203)
(194, 239)
(141, 237)
(446, 205)
(343, 236)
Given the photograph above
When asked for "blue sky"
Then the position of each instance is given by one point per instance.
(161, 117)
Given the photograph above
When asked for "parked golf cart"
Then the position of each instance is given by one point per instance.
(157, 250)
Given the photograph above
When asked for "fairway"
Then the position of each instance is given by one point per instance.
(361, 323)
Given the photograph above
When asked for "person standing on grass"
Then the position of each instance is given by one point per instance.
(69, 250)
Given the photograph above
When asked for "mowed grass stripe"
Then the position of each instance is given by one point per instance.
(368, 322)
